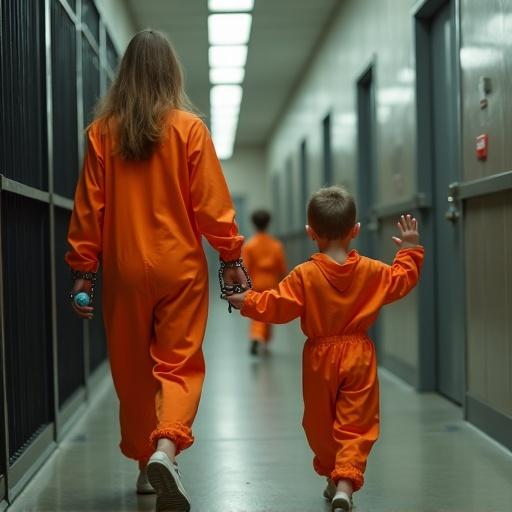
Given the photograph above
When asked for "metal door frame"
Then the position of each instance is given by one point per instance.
(365, 78)
(304, 194)
(424, 13)
(288, 199)
(4, 427)
(328, 156)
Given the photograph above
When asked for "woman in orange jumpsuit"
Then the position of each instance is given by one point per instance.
(151, 185)
(266, 262)
(338, 295)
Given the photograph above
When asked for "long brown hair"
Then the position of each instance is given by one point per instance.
(148, 85)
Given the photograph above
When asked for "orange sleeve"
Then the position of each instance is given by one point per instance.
(211, 202)
(86, 225)
(277, 306)
(403, 274)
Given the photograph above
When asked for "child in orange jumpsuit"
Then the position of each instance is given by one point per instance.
(338, 295)
(265, 260)
(151, 186)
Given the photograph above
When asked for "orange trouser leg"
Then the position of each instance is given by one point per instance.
(260, 331)
(341, 406)
(180, 323)
(128, 321)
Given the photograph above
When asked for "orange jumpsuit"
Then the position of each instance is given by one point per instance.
(264, 258)
(337, 305)
(144, 219)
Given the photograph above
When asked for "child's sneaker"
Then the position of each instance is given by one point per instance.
(330, 490)
(341, 502)
(164, 476)
(143, 485)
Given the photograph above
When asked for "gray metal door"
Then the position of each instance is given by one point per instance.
(327, 148)
(240, 205)
(447, 257)
(366, 160)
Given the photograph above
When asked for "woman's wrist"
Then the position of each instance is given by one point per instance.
(88, 276)
(78, 275)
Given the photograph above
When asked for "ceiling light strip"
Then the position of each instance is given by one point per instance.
(229, 31)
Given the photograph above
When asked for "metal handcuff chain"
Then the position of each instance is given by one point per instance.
(87, 276)
(237, 287)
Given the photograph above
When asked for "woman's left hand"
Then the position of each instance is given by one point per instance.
(86, 312)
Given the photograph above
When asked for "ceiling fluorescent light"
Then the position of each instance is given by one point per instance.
(229, 110)
(224, 130)
(227, 75)
(223, 139)
(222, 142)
(224, 126)
(219, 118)
(230, 5)
(229, 28)
(221, 115)
(227, 56)
(224, 153)
(224, 149)
(225, 95)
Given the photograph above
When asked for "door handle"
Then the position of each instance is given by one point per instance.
(452, 214)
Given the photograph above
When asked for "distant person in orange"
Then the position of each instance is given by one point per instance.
(338, 294)
(266, 262)
(150, 188)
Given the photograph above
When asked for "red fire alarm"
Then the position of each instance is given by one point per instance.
(482, 143)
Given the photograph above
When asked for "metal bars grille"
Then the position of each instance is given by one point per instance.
(91, 18)
(112, 57)
(22, 93)
(51, 54)
(64, 105)
(25, 239)
(90, 79)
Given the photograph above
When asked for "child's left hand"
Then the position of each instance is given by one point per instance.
(236, 300)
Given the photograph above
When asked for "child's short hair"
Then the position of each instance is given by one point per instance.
(261, 219)
(332, 212)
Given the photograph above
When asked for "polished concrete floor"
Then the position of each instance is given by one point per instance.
(251, 455)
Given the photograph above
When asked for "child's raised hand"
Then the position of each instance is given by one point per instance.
(409, 235)
(236, 300)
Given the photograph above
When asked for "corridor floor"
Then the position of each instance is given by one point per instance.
(251, 454)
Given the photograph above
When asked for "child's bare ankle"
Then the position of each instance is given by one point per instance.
(168, 447)
(345, 485)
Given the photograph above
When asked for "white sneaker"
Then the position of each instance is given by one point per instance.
(341, 501)
(330, 490)
(164, 476)
(143, 485)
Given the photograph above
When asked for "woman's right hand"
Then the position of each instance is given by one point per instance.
(234, 275)
(85, 312)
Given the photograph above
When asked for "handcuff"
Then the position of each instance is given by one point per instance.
(87, 276)
(227, 290)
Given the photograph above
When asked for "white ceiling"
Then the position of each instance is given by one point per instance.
(284, 34)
